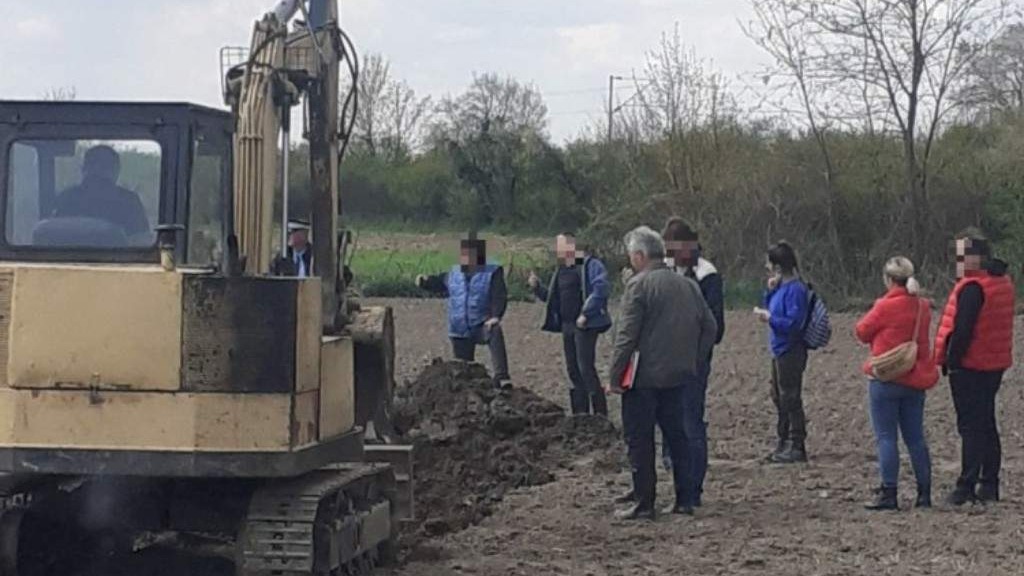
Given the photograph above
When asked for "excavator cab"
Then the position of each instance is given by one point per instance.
(149, 383)
(90, 182)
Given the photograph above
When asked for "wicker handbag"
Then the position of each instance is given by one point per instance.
(897, 362)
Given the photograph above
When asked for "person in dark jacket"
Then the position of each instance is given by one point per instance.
(665, 331)
(897, 404)
(786, 307)
(99, 196)
(300, 250)
(683, 248)
(974, 346)
(577, 308)
(477, 299)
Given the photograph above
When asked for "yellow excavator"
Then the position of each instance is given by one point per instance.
(163, 368)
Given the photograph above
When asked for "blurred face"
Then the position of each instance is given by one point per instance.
(966, 262)
(683, 252)
(565, 249)
(298, 239)
(772, 269)
(469, 255)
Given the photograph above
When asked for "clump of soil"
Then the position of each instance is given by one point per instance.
(474, 442)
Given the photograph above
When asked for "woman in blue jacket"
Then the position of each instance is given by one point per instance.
(577, 308)
(785, 312)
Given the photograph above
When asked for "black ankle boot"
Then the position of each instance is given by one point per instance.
(962, 494)
(779, 449)
(792, 453)
(924, 496)
(885, 499)
(637, 512)
(988, 491)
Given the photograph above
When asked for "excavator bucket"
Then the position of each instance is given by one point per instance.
(373, 332)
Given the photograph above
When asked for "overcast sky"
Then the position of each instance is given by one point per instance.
(168, 49)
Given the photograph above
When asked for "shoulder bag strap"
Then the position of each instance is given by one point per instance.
(917, 323)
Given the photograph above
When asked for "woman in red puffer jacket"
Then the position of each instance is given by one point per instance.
(900, 404)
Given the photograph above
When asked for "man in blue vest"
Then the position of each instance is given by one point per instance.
(477, 299)
(577, 308)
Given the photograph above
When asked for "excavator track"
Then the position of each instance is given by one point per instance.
(337, 521)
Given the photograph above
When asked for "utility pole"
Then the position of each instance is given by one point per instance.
(611, 106)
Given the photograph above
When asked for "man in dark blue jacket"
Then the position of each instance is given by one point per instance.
(477, 299)
(577, 308)
(683, 250)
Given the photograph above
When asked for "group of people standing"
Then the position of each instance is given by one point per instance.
(671, 317)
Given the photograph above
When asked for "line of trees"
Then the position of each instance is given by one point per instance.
(880, 127)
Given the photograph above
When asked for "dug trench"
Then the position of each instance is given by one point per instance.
(474, 443)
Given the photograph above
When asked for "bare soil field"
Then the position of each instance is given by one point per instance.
(757, 518)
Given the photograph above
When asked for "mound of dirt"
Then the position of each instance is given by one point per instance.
(475, 442)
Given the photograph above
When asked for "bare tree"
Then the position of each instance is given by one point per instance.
(493, 132)
(905, 55)
(493, 104)
(391, 117)
(995, 79)
(785, 35)
(683, 103)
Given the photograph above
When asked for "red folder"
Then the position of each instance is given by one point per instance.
(629, 375)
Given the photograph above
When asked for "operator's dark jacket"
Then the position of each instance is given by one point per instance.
(665, 317)
(596, 290)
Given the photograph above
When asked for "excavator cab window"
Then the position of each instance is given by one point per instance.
(209, 185)
(92, 182)
(83, 193)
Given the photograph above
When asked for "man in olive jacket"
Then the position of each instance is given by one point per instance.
(664, 319)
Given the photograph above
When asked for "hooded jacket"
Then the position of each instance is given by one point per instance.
(596, 289)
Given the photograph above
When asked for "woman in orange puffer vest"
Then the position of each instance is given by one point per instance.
(974, 345)
(899, 403)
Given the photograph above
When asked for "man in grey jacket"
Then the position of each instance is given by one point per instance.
(666, 327)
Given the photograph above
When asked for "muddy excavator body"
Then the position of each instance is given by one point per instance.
(161, 371)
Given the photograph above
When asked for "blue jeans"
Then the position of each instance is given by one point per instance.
(893, 407)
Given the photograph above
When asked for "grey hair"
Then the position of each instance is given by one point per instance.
(645, 240)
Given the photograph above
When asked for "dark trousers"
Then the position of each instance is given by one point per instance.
(642, 409)
(580, 362)
(695, 432)
(787, 394)
(465, 349)
(974, 397)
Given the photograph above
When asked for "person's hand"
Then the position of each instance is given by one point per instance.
(420, 280)
(581, 322)
(533, 281)
(762, 314)
(627, 273)
(492, 322)
(773, 281)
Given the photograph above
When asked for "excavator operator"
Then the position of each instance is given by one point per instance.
(98, 195)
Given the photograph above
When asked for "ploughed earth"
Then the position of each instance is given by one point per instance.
(508, 484)
(539, 491)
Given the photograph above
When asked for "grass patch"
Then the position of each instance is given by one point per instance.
(392, 274)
